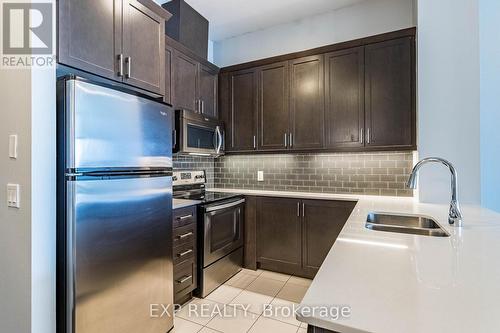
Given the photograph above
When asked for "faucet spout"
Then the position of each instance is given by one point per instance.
(455, 217)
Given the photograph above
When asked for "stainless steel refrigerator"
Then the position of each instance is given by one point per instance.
(114, 210)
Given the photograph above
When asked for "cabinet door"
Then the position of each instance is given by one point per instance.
(143, 47)
(306, 103)
(274, 115)
(90, 35)
(279, 235)
(322, 222)
(344, 86)
(208, 91)
(185, 82)
(390, 93)
(243, 110)
(169, 53)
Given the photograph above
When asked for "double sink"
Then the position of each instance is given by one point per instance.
(405, 224)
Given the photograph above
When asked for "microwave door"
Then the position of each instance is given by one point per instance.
(200, 139)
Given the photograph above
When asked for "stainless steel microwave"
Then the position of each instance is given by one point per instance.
(198, 135)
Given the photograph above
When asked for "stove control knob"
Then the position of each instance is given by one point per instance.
(174, 178)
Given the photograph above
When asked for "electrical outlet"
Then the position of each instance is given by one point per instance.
(260, 176)
(13, 195)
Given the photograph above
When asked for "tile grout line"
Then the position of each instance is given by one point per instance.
(241, 291)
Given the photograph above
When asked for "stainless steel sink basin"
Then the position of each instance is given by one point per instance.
(405, 224)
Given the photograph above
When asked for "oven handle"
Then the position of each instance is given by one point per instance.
(228, 205)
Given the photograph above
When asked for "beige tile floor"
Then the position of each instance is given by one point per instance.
(252, 290)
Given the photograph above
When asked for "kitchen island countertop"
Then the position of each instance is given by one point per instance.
(396, 282)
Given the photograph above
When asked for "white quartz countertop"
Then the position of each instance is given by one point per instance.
(397, 283)
(181, 203)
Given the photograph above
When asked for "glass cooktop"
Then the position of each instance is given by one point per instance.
(206, 196)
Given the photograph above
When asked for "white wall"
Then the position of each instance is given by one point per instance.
(364, 19)
(489, 16)
(15, 224)
(43, 200)
(448, 97)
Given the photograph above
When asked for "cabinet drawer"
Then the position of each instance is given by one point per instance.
(184, 216)
(184, 252)
(184, 277)
(185, 234)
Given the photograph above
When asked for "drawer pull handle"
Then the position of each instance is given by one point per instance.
(184, 279)
(187, 234)
(180, 218)
(182, 254)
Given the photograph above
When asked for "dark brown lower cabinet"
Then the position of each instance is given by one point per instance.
(314, 329)
(294, 236)
(322, 222)
(184, 253)
(279, 235)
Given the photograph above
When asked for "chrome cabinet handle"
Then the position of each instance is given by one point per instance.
(128, 61)
(254, 142)
(368, 135)
(303, 209)
(291, 140)
(298, 208)
(184, 279)
(174, 143)
(120, 65)
(361, 135)
(180, 218)
(202, 107)
(187, 234)
(286, 143)
(185, 253)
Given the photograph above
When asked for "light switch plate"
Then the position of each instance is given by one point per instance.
(13, 195)
(260, 176)
(13, 146)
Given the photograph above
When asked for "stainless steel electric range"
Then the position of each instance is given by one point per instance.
(220, 229)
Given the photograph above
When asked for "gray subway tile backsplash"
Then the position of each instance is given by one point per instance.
(374, 173)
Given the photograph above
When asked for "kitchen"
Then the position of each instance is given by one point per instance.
(256, 164)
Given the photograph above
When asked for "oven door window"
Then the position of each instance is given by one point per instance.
(200, 137)
(223, 233)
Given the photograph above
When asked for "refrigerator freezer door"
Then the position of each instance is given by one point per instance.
(107, 128)
(119, 255)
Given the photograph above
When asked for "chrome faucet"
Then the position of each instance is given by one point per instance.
(455, 217)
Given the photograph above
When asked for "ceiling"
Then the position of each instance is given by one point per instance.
(229, 18)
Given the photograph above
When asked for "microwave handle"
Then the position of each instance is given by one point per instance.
(219, 140)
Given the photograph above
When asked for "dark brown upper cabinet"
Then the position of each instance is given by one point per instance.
(169, 67)
(143, 47)
(344, 92)
(208, 83)
(194, 81)
(241, 119)
(185, 82)
(117, 39)
(306, 103)
(353, 96)
(90, 36)
(390, 94)
(279, 234)
(274, 113)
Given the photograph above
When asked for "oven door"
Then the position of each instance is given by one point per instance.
(223, 224)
